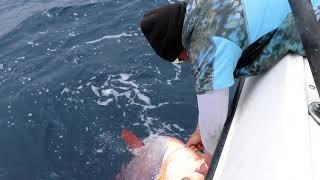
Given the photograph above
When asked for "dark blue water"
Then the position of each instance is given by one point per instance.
(73, 73)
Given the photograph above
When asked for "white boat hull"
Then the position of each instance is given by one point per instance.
(272, 136)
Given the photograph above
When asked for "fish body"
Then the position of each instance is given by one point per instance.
(164, 158)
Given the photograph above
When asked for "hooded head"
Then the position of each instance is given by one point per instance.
(162, 27)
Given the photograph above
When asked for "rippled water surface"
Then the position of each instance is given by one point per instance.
(73, 73)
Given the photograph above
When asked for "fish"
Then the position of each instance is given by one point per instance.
(163, 158)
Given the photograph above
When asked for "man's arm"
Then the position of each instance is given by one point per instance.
(213, 111)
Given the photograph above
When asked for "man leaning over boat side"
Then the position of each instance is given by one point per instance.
(223, 40)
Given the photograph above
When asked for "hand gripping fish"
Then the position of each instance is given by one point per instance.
(163, 158)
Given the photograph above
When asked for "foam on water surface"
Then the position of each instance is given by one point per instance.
(110, 37)
(95, 90)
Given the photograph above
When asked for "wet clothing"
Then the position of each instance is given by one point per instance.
(217, 32)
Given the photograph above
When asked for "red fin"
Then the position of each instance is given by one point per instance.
(130, 139)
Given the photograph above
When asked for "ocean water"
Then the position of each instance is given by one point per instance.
(73, 73)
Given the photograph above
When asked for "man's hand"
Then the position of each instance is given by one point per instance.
(194, 141)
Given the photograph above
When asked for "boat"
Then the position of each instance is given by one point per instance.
(273, 135)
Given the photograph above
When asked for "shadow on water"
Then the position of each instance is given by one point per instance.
(71, 78)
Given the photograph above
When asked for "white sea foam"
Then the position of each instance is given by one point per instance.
(104, 103)
(32, 43)
(166, 126)
(142, 96)
(147, 121)
(124, 88)
(124, 76)
(124, 80)
(108, 92)
(99, 150)
(161, 104)
(178, 127)
(65, 90)
(129, 83)
(177, 76)
(178, 72)
(22, 57)
(129, 89)
(110, 37)
(26, 78)
(157, 70)
(80, 87)
(95, 90)
(122, 91)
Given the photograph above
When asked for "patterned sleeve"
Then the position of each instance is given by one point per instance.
(214, 63)
(285, 38)
(214, 34)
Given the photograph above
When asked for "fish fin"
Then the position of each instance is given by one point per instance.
(130, 139)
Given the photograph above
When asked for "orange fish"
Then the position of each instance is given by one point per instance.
(163, 158)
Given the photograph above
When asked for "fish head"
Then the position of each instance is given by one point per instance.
(181, 162)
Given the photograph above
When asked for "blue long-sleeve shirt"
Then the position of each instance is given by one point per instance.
(216, 32)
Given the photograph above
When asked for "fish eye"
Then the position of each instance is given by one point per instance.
(185, 178)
